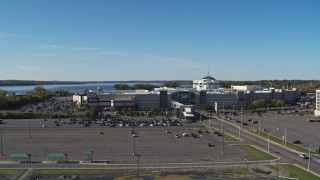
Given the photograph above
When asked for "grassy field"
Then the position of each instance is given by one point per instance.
(229, 137)
(280, 141)
(39, 172)
(240, 173)
(194, 175)
(256, 154)
(11, 173)
(296, 172)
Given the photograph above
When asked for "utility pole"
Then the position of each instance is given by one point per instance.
(285, 136)
(222, 140)
(1, 142)
(278, 121)
(268, 141)
(309, 158)
(239, 132)
(277, 164)
(29, 130)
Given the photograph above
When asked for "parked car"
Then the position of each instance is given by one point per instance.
(210, 144)
(297, 142)
(303, 156)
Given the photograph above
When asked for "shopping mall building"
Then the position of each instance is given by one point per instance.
(206, 91)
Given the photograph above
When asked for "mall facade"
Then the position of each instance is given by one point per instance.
(206, 91)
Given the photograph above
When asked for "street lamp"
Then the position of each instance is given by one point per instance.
(268, 141)
(1, 141)
(222, 141)
(134, 144)
(259, 127)
(309, 158)
(241, 117)
(285, 136)
(277, 164)
(278, 120)
(29, 130)
(239, 132)
(138, 157)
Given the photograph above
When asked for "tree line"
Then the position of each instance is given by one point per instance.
(150, 87)
(39, 94)
(34, 83)
(307, 86)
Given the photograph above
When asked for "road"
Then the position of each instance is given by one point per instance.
(285, 155)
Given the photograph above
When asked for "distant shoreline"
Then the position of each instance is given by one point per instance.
(40, 83)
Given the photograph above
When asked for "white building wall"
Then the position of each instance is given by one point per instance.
(147, 100)
(247, 88)
(206, 83)
(317, 110)
(224, 100)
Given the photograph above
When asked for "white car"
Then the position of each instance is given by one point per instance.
(304, 156)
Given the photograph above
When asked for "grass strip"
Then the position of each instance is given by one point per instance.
(187, 175)
(9, 172)
(280, 141)
(256, 154)
(229, 137)
(38, 172)
(296, 172)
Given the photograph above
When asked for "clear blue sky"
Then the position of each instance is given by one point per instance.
(159, 39)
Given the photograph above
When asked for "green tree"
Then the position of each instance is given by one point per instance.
(129, 110)
(121, 87)
(124, 110)
(92, 112)
(149, 87)
(171, 84)
(113, 109)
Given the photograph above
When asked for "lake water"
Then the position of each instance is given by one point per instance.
(73, 88)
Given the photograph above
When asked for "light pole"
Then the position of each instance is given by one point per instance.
(239, 132)
(259, 127)
(138, 157)
(223, 110)
(1, 141)
(278, 120)
(241, 117)
(268, 141)
(134, 144)
(277, 164)
(285, 136)
(309, 158)
(29, 130)
(222, 141)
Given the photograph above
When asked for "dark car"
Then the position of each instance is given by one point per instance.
(244, 123)
(297, 142)
(210, 144)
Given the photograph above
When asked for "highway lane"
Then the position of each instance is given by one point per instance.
(78, 165)
(286, 156)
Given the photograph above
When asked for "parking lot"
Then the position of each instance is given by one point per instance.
(294, 126)
(115, 144)
(52, 105)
